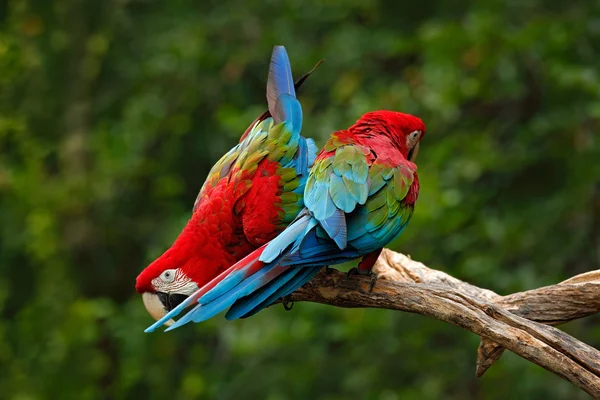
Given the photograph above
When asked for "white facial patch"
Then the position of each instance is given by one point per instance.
(412, 139)
(174, 281)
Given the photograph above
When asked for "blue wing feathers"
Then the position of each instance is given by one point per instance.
(320, 202)
(313, 222)
(312, 151)
(302, 157)
(335, 226)
(340, 194)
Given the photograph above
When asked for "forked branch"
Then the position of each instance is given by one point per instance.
(516, 322)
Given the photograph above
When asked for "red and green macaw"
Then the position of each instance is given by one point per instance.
(359, 196)
(251, 194)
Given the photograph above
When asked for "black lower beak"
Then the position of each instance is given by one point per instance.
(171, 300)
(412, 154)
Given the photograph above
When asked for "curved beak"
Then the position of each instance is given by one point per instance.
(412, 155)
(155, 306)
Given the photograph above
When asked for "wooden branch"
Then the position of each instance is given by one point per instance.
(511, 322)
(574, 298)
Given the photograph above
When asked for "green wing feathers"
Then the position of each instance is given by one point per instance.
(266, 141)
(386, 211)
(370, 192)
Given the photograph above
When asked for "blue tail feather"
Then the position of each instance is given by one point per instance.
(205, 310)
(281, 94)
(248, 303)
(314, 251)
(246, 286)
(311, 224)
(229, 282)
(173, 313)
(298, 282)
(280, 75)
(328, 260)
(247, 307)
(286, 238)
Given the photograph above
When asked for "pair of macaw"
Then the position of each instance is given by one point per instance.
(273, 212)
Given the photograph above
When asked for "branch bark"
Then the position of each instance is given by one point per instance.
(518, 322)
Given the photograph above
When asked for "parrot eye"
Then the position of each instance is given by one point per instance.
(168, 276)
(412, 139)
(412, 144)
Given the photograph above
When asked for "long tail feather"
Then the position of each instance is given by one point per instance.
(281, 93)
(206, 310)
(244, 268)
(266, 114)
(298, 283)
(193, 298)
(250, 305)
(280, 77)
(258, 276)
(290, 235)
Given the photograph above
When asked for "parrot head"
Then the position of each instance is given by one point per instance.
(405, 130)
(179, 272)
(164, 284)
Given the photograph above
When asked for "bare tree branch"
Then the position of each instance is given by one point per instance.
(511, 322)
(578, 297)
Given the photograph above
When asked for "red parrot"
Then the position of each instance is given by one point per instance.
(359, 196)
(250, 195)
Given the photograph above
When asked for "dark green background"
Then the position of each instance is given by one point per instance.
(112, 112)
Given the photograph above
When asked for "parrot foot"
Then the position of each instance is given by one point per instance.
(287, 303)
(328, 269)
(373, 281)
(356, 271)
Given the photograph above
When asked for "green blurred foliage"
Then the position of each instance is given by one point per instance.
(112, 112)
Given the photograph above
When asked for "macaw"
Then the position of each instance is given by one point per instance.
(359, 196)
(250, 195)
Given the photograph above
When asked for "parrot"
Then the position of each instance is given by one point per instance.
(360, 195)
(250, 195)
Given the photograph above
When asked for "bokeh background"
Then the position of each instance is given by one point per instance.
(113, 111)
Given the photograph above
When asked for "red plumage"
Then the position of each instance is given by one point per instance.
(249, 196)
(216, 236)
(359, 196)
